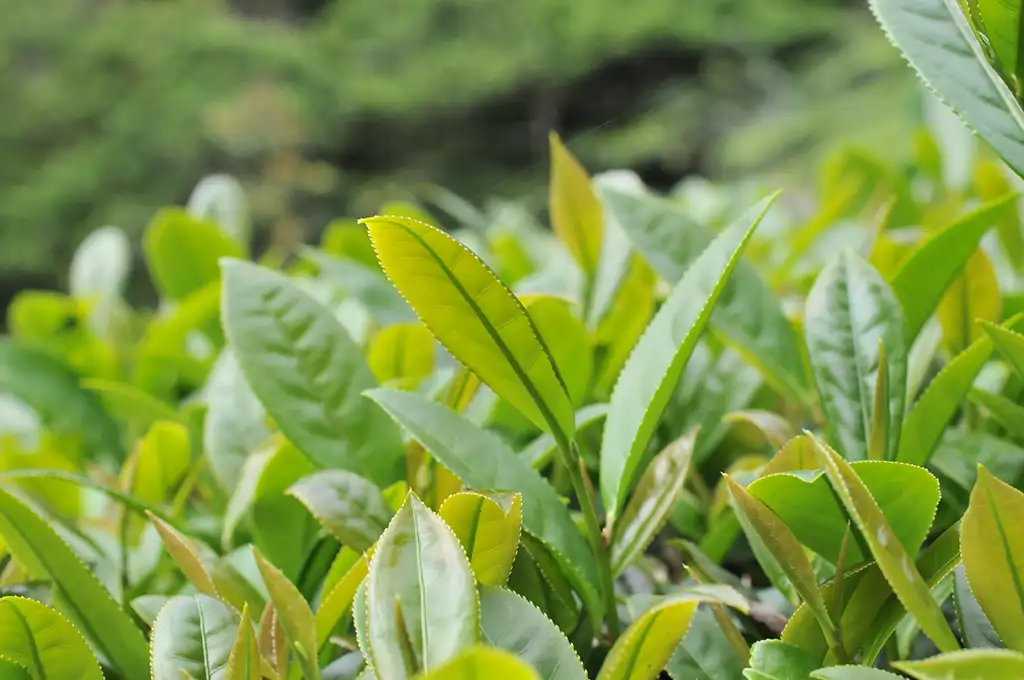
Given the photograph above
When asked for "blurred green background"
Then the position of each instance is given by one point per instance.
(323, 108)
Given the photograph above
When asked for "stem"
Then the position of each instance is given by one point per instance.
(584, 490)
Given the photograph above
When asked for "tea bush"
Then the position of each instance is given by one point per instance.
(673, 434)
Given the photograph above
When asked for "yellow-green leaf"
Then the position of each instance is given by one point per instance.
(183, 253)
(488, 526)
(1009, 343)
(993, 555)
(972, 664)
(162, 461)
(244, 658)
(186, 557)
(338, 600)
(566, 338)
(402, 354)
(475, 316)
(575, 211)
(644, 649)
(481, 663)
(657, 361)
(973, 295)
(892, 558)
(295, 616)
(42, 641)
(991, 182)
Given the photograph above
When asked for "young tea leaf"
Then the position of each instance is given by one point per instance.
(43, 642)
(488, 526)
(295, 617)
(974, 664)
(973, 296)
(478, 663)
(1010, 344)
(182, 252)
(575, 211)
(244, 657)
(192, 637)
(350, 507)
(778, 660)
(643, 650)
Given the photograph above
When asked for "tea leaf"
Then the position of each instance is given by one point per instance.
(42, 642)
(421, 598)
(186, 557)
(975, 628)
(934, 265)
(244, 657)
(488, 526)
(1003, 411)
(480, 663)
(182, 252)
(940, 44)
(308, 373)
(851, 312)
(1001, 23)
(652, 501)
(777, 660)
(974, 664)
(973, 296)
(510, 622)
(646, 383)
(993, 555)
(235, 422)
(471, 312)
(1009, 343)
(482, 461)
(575, 210)
(37, 546)
(403, 353)
(852, 673)
(337, 601)
(192, 637)
(294, 615)
(888, 551)
(643, 650)
(567, 341)
(350, 507)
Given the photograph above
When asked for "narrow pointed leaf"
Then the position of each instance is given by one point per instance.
(889, 553)
(402, 354)
(43, 642)
(244, 657)
(307, 372)
(1009, 343)
(878, 441)
(851, 312)
(575, 211)
(940, 44)
(1005, 412)
(931, 268)
(350, 507)
(488, 526)
(649, 507)
(482, 461)
(193, 635)
(185, 556)
(993, 555)
(973, 296)
(644, 649)
(653, 369)
(421, 598)
(40, 550)
(182, 252)
(510, 622)
(475, 316)
(338, 600)
(1001, 20)
(974, 664)
(294, 615)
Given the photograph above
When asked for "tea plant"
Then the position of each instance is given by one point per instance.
(666, 436)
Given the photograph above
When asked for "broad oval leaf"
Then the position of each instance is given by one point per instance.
(402, 354)
(235, 422)
(296, 619)
(488, 526)
(185, 555)
(350, 507)
(933, 266)
(43, 642)
(892, 558)
(182, 252)
(1010, 344)
(192, 637)
(973, 296)
(479, 663)
(973, 664)
(940, 44)
(482, 461)
(308, 373)
(575, 211)
(643, 650)
(40, 550)
(421, 597)
(475, 316)
(851, 313)
(339, 598)
(652, 371)
(509, 621)
(649, 507)
(993, 555)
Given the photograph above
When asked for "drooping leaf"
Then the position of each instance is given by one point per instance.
(892, 558)
(651, 502)
(851, 312)
(482, 461)
(643, 650)
(308, 373)
(993, 555)
(192, 637)
(350, 507)
(182, 252)
(778, 660)
(421, 598)
(940, 44)
(478, 319)
(653, 369)
(479, 663)
(748, 314)
(575, 211)
(933, 266)
(42, 641)
(294, 615)
(40, 550)
(973, 296)
(235, 422)
(402, 354)
(973, 664)
(510, 622)
(488, 526)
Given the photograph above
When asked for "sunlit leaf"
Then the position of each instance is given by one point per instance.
(488, 526)
(294, 615)
(975, 664)
(402, 354)
(973, 295)
(42, 641)
(575, 210)
(643, 650)
(479, 663)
